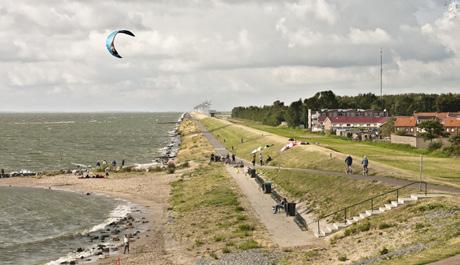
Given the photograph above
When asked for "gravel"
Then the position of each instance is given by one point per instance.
(249, 257)
(393, 254)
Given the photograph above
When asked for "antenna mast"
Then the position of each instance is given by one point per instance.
(381, 78)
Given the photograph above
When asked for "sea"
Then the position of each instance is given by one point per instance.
(53, 141)
(38, 226)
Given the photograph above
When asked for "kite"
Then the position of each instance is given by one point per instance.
(109, 42)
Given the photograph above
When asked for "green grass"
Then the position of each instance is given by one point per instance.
(326, 194)
(436, 167)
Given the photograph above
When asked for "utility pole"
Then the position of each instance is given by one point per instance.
(381, 79)
(421, 171)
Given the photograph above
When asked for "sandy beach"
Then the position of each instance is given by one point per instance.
(150, 190)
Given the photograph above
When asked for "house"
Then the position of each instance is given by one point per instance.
(406, 125)
(316, 118)
(345, 123)
(452, 125)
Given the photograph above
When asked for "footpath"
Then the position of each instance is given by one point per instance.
(282, 229)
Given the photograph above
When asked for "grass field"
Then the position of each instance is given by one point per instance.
(209, 216)
(435, 168)
(327, 194)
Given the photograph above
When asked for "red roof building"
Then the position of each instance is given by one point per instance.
(344, 122)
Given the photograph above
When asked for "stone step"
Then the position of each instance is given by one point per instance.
(389, 206)
(357, 218)
(382, 209)
(364, 215)
(394, 203)
(404, 200)
(339, 226)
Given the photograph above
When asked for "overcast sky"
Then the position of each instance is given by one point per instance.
(53, 55)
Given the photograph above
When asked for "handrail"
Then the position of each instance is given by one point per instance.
(344, 209)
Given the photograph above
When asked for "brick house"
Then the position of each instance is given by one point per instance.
(347, 123)
(406, 125)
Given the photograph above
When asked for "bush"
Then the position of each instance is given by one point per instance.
(248, 245)
(385, 226)
(434, 146)
(226, 250)
(246, 227)
(342, 257)
(383, 251)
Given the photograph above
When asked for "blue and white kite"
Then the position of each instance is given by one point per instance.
(109, 42)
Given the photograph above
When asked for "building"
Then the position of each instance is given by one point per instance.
(409, 125)
(406, 125)
(345, 123)
(316, 119)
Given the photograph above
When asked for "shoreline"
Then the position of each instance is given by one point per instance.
(135, 188)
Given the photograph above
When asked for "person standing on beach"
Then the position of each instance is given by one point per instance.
(107, 169)
(126, 243)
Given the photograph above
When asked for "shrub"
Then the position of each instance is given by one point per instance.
(419, 226)
(226, 250)
(249, 244)
(385, 226)
(364, 227)
(246, 227)
(218, 238)
(342, 257)
(383, 251)
(171, 170)
(434, 146)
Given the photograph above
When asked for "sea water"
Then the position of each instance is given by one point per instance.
(41, 225)
(50, 141)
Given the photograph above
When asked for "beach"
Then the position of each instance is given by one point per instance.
(147, 189)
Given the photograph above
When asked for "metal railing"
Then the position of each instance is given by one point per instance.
(371, 200)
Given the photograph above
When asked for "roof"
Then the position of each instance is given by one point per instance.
(344, 119)
(405, 121)
(451, 122)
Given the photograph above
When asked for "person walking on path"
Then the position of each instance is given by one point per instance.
(349, 162)
(233, 158)
(365, 164)
(261, 159)
(126, 243)
(254, 160)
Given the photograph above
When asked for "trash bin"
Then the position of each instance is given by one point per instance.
(290, 209)
(252, 173)
(267, 187)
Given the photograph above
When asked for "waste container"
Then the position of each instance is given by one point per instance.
(290, 209)
(267, 186)
(252, 173)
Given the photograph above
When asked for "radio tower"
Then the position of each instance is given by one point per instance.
(381, 79)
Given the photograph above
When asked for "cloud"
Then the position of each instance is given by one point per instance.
(230, 52)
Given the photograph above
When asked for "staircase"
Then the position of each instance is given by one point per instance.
(321, 228)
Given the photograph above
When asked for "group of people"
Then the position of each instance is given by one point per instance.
(227, 159)
(261, 159)
(364, 163)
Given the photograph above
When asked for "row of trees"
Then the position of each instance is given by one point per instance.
(296, 113)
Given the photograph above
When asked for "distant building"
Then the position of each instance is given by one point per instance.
(316, 119)
(409, 124)
(346, 123)
(406, 125)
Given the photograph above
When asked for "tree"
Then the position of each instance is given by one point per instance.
(388, 127)
(294, 114)
(432, 129)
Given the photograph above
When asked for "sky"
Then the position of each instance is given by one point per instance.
(231, 52)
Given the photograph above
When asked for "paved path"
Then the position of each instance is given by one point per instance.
(455, 260)
(282, 229)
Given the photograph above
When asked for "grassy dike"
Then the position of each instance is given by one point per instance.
(425, 231)
(210, 218)
(413, 234)
(436, 165)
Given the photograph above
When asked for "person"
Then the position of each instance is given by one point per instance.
(126, 243)
(261, 159)
(281, 205)
(269, 158)
(233, 158)
(107, 172)
(365, 164)
(114, 163)
(2, 173)
(254, 160)
(98, 164)
(122, 163)
(211, 159)
(349, 162)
